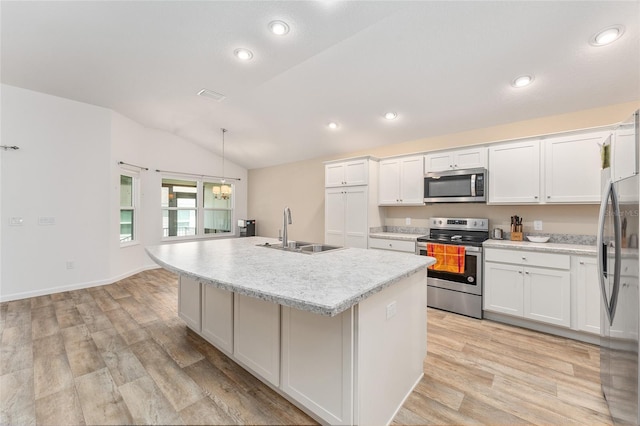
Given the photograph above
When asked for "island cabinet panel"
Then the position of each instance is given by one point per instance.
(317, 363)
(217, 317)
(256, 337)
(391, 346)
(189, 302)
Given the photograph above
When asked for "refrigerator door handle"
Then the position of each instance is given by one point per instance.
(609, 193)
(617, 266)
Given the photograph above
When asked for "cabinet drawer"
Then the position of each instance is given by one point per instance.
(396, 245)
(528, 258)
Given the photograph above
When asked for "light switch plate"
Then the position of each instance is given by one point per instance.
(16, 221)
(537, 225)
(407, 221)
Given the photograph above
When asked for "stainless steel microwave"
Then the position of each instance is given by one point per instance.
(456, 186)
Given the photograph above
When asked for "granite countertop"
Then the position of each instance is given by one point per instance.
(325, 283)
(560, 248)
(395, 236)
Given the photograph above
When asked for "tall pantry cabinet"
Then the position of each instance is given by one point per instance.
(350, 209)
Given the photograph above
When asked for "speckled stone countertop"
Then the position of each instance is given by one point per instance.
(402, 233)
(325, 283)
(577, 249)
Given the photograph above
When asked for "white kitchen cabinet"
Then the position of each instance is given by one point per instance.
(547, 295)
(470, 158)
(393, 245)
(514, 173)
(346, 216)
(503, 288)
(572, 168)
(587, 293)
(623, 151)
(346, 173)
(256, 336)
(401, 181)
(189, 302)
(530, 285)
(217, 317)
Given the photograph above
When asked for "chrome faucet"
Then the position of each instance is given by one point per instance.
(286, 218)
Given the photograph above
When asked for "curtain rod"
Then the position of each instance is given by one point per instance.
(133, 165)
(196, 175)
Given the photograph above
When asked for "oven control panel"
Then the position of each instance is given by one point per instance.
(478, 224)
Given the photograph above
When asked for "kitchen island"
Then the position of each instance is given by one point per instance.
(341, 334)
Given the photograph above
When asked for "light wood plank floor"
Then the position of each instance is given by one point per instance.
(119, 354)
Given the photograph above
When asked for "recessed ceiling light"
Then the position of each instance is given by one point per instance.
(391, 115)
(523, 80)
(243, 54)
(606, 36)
(278, 27)
(332, 125)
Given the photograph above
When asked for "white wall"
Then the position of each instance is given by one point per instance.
(60, 171)
(66, 168)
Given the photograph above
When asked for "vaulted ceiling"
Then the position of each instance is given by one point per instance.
(443, 67)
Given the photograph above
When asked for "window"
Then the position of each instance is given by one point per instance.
(128, 205)
(195, 208)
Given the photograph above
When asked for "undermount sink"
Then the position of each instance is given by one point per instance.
(303, 247)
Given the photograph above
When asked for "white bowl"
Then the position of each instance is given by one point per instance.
(537, 239)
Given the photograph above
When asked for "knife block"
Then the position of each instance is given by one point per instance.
(516, 232)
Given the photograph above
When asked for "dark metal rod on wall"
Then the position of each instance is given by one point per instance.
(7, 147)
(133, 165)
(196, 175)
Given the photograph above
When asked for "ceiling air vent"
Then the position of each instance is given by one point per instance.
(211, 94)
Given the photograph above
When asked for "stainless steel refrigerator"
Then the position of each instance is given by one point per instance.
(618, 271)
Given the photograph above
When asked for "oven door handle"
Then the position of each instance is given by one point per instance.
(471, 249)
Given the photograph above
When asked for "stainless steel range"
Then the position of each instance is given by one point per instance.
(455, 285)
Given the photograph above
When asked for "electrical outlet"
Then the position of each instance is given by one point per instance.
(537, 225)
(392, 309)
(71, 264)
(407, 221)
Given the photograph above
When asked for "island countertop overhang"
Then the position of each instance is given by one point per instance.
(326, 283)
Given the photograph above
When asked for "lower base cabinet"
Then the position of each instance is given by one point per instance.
(587, 288)
(217, 317)
(514, 286)
(189, 302)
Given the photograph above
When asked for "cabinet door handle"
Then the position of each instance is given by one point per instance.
(535, 197)
(390, 245)
(524, 258)
(581, 262)
(520, 272)
(526, 272)
(548, 196)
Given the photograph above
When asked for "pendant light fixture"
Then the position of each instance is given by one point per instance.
(223, 191)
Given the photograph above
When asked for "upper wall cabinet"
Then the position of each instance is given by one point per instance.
(401, 181)
(623, 152)
(514, 173)
(347, 173)
(572, 168)
(457, 159)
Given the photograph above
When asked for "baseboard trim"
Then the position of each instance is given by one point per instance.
(71, 287)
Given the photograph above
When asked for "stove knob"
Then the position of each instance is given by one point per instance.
(475, 223)
(440, 222)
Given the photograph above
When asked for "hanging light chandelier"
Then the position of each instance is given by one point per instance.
(223, 191)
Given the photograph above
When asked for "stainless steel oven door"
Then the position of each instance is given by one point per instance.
(468, 282)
